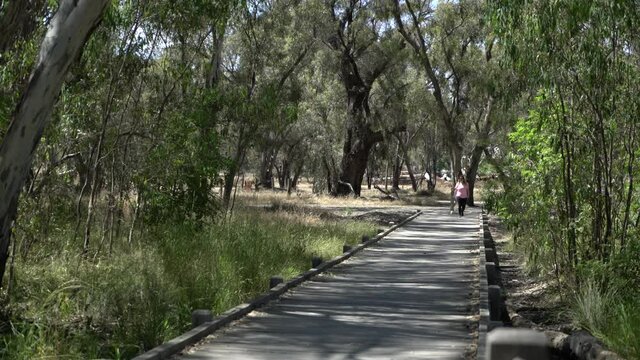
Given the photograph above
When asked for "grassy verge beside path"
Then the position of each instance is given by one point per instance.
(606, 306)
(116, 306)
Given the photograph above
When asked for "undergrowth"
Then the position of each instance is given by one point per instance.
(608, 301)
(68, 306)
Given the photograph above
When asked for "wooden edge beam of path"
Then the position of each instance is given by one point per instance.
(496, 342)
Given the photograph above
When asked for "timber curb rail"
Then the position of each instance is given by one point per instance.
(497, 339)
(483, 308)
(172, 347)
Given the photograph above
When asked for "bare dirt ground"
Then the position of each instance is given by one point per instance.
(371, 206)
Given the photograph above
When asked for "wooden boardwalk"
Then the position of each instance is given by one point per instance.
(407, 297)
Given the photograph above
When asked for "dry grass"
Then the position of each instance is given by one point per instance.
(304, 197)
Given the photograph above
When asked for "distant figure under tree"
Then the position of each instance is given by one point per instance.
(462, 193)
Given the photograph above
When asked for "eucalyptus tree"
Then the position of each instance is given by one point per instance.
(423, 140)
(70, 28)
(414, 20)
(455, 49)
(259, 34)
(365, 46)
(581, 58)
(184, 104)
(321, 109)
(390, 101)
(291, 39)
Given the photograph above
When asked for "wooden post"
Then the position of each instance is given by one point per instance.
(510, 343)
(495, 303)
(491, 256)
(274, 281)
(199, 317)
(492, 273)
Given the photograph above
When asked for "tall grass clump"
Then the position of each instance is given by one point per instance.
(70, 306)
(608, 302)
(592, 310)
(610, 316)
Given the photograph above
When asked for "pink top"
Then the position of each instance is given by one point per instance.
(462, 191)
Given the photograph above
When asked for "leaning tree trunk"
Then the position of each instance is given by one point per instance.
(407, 163)
(234, 167)
(481, 143)
(412, 177)
(69, 29)
(397, 172)
(476, 156)
(456, 168)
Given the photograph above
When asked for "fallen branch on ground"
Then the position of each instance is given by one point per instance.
(388, 195)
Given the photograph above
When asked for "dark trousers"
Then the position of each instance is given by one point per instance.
(462, 203)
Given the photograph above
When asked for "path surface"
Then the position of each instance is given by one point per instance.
(407, 297)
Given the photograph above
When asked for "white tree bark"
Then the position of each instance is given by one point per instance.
(68, 31)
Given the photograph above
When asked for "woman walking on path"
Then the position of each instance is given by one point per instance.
(462, 193)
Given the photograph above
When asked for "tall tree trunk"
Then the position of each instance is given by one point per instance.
(412, 177)
(472, 173)
(630, 147)
(294, 181)
(354, 159)
(407, 162)
(216, 57)
(230, 176)
(456, 169)
(415, 38)
(69, 29)
(397, 170)
(285, 173)
(266, 168)
(481, 143)
(357, 83)
(327, 168)
(94, 187)
(136, 212)
(357, 145)
(386, 173)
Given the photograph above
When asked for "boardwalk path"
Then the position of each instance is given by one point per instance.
(407, 297)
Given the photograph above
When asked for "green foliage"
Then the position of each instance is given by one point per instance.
(572, 187)
(15, 66)
(529, 207)
(119, 306)
(181, 188)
